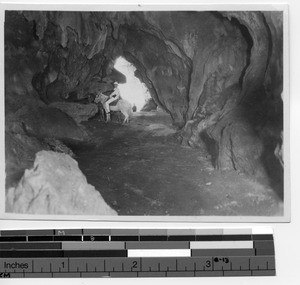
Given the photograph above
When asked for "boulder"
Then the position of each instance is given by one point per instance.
(46, 122)
(79, 112)
(55, 186)
(20, 151)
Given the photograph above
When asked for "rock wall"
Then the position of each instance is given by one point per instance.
(55, 186)
(168, 74)
(175, 61)
(244, 119)
(178, 61)
(30, 124)
(218, 74)
(182, 65)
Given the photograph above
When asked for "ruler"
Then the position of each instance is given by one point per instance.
(96, 253)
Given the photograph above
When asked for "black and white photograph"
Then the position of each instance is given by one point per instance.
(145, 113)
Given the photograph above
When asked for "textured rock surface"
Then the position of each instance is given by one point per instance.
(238, 147)
(168, 73)
(45, 122)
(55, 185)
(255, 73)
(20, 152)
(243, 118)
(79, 112)
(219, 75)
(150, 105)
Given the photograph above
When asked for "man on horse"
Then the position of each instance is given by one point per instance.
(114, 96)
(121, 105)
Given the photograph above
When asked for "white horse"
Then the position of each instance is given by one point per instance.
(122, 105)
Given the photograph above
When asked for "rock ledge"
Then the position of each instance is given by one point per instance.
(55, 185)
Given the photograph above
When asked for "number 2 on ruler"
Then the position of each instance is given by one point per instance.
(134, 265)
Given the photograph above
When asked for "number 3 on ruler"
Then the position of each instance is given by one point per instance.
(208, 263)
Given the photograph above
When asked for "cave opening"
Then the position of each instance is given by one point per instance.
(133, 90)
(139, 166)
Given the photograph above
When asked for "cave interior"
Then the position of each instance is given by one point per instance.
(213, 82)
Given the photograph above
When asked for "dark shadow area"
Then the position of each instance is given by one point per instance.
(273, 168)
(248, 38)
(270, 134)
(211, 147)
(13, 178)
(266, 119)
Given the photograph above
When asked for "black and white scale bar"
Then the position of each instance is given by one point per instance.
(37, 238)
(136, 253)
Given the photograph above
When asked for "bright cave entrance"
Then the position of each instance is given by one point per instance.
(133, 90)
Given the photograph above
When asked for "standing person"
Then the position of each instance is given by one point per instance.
(114, 96)
(134, 108)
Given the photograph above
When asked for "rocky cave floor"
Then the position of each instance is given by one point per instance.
(141, 169)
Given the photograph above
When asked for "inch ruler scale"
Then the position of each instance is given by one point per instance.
(82, 253)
